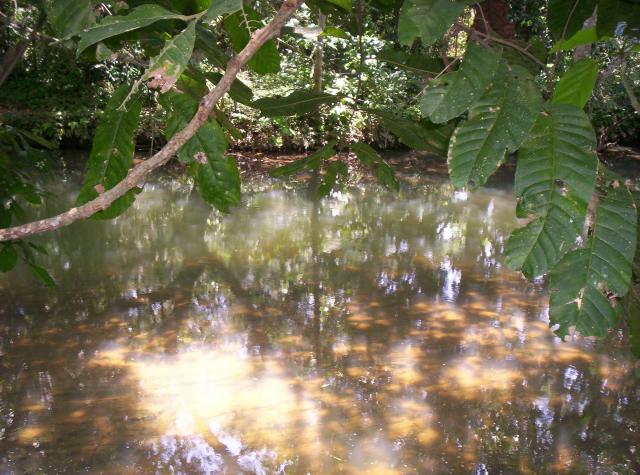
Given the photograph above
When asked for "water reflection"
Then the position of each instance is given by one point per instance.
(363, 334)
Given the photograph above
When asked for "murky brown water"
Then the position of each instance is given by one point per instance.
(370, 333)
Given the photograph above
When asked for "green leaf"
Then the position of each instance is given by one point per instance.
(416, 135)
(193, 82)
(227, 125)
(217, 177)
(42, 275)
(458, 90)
(427, 19)
(68, 17)
(310, 162)
(299, 102)
(554, 182)
(140, 17)
(582, 37)
(5, 217)
(566, 17)
(267, 58)
(8, 257)
(335, 32)
(330, 177)
(239, 91)
(28, 192)
(222, 7)
(112, 153)
(580, 281)
(498, 124)
(165, 69)
(372, 159)
(634, 330)
(535, 47)
(576, 85)
(344, 4)
(413, 62)
(35, 138)
(618, 17)
(206, 41)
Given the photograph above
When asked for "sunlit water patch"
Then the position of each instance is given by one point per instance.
(365, 333)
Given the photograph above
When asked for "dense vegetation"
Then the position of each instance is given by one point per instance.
(550, 81)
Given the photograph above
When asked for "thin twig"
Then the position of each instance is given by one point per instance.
(502, 41)
(484, 20)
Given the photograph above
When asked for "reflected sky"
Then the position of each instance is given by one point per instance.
(365, 333)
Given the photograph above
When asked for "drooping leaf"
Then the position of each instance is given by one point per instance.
(217, 177)
(68, 17)
(576, 85)
(498, 124)
(555, 179)
(373, 160)
(585, 36)
(165, 69)
(536, 47)
(297, 103)
(227, 125)
(310, 162)
(346, 5)
(181, 109)
(415, 63)
(427, 19)
(238, 91)
(618, 17)
(218, 181)
(112, 152)
(27, 191)
(222, 7)
(421, 135)
(580, 281)
(335, 32)
(111, 26)
(566, 17)
(267, 59)
(37, 139)
(8, 257)
(331, 176)
(5, 217)
(193, 82)
(206, 42)
(42, 275)
(457, 91)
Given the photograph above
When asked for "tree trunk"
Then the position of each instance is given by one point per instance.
(319, 55)
(495, 15)
(11, 59)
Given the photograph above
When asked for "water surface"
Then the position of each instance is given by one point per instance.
(367, 333)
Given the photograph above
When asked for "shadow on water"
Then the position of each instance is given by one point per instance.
(366, 333)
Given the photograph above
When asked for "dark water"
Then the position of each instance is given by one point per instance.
(368, 333)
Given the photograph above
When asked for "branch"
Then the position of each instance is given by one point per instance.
(137, 173)
(502, 41)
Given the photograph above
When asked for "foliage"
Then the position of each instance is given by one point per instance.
(112, 153)
(21, 154)
(463, 91)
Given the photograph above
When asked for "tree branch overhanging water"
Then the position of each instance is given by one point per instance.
(138, 172)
